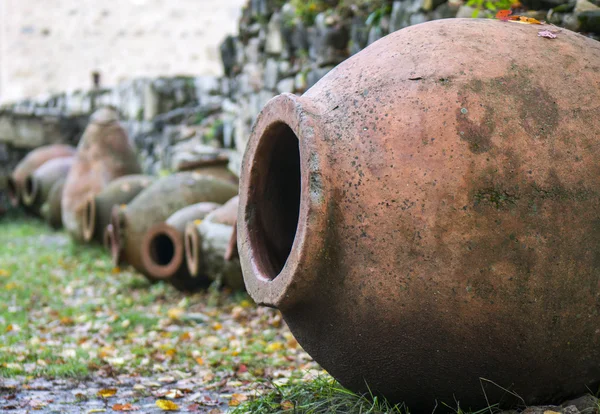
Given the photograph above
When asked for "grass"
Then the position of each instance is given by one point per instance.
(66, 312)
(319, 396)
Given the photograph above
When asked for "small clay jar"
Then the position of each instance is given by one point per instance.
(103, 154)
(50, 210)
(207, 244)
(98, 209)
(156, 204)
(30, 163)
(427, 216)
(163, 252)
(37, 185)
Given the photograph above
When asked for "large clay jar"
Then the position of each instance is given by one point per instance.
(427, 216)
(38, 185)
(207, 243)
(154, 205)
(32, 162)
(163, 248)
(98, 208)
(103, 154)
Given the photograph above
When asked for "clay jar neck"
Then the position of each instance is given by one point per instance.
(283, 202)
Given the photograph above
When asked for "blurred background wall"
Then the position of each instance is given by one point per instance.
(49, 46)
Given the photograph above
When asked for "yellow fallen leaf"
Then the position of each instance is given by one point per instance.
(175, 313)
(167, 405)
(217, 326)
(4, 273)
(9, 328)
(523, 19)
(171, 353)
(275, 346)
(237, 399)
(10, 286)
(65, 320)
(116, 270)
(97, 410)
(200, 361)
(197, 222)
(107, 392)
(186, 336)
(124, 407)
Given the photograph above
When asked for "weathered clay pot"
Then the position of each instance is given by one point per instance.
(98, 209)
(207, 243)
(37, 185)
(32, 162)
(154, 205)
(103, 154)
(50, 210)
(426, 217)
(214, 167)
(163, 252)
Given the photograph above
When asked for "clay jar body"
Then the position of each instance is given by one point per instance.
(207, 244)
(163, 248)
(38, 185)
(154, 205)
(103, 155)
(32, 162)
(426, 217)
(98, 209)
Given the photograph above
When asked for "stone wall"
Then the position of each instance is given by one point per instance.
(54, 46)
(289, 46)
(281, 47)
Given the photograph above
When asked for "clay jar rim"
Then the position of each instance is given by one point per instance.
(13, 191)
(193, 255)
(151, 257)
(89, 219)
(300, 269)
(30, 190)
(117, 221)
(107, 237)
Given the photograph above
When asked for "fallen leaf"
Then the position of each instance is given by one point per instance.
(107, 392)
(167, 405)
(125, 407)
(200, 361)
(97, 410)
(275, 346)
(4, 273)
(503, 15)
(523, 19)
(237, 399)
(547, 34)
(116, 270)
(175, 313)
(173, 394)
(287, 405)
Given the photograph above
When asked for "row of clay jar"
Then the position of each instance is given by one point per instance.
(180, 228)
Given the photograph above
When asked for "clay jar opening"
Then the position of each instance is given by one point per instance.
(89, 219)
(275, 195)
(30, 189)
(192, 249)
(162, 251)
